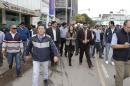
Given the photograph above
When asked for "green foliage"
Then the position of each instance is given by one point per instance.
(84, 18)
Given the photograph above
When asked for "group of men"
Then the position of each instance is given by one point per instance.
(48, 44)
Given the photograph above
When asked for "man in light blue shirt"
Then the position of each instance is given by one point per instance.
(63, 31)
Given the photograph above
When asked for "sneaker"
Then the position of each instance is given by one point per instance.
(10, 67)
(45, 82)
(106, 62)
(113, 63)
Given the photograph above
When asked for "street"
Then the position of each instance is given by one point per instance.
(63, 75)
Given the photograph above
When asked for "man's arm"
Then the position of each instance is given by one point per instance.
(117, 46)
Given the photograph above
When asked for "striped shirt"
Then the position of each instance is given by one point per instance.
(12, 45)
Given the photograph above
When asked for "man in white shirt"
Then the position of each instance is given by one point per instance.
(2, 35)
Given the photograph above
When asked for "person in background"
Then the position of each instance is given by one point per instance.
(49, 25)
(13, 46)
(4, 29)
(102, 35)
(92, 42)
(54, 32)
(2, 36)
(63, 32)
(77, 28)
(24, 35)
(108, 38)
(84, 36)
(121, 53)
(97, 45)
(41, 46)
(70, 43)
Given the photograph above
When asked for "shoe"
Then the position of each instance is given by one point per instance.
(113, 63)
(10, 67)
(80, 63)
(20, 75)
(45, 82)
(70, 64)
(106, 62)
(1, 64)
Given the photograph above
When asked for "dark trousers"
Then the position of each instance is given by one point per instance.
(77, 47)
(63, 40)
(98, 48)
(85, 48)
(70, 50)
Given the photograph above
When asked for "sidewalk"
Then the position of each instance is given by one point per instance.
(5, 67)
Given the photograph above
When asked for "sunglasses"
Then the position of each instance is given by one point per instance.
(14, 28)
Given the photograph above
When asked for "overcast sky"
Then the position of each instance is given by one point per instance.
(102, 6)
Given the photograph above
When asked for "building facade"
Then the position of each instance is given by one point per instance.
(16, 11)
(65, 10)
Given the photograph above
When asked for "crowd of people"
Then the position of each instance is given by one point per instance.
(58, 40)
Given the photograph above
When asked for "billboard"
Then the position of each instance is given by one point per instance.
(51, 7)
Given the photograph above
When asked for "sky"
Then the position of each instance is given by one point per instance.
(102, 6)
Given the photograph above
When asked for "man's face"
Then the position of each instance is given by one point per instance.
(127, 27)
(110, 25)
(54, 25)
(41, 30)
(13, 28)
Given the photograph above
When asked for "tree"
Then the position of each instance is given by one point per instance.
(79, 18)
(84, 18)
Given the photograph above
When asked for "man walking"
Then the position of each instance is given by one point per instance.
(108, 38)
(84, 36)
(121, 53)
(13, 46)
(41, 46)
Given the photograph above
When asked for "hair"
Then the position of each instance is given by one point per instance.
(70, 27)
(64, 23)
(112, 22)
(125, 22)
(41, 25)
(53, 22)
(22, 23)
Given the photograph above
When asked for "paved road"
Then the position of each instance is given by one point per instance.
(77, 75)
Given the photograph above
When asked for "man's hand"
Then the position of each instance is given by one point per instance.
(26, 58)
(56, 59)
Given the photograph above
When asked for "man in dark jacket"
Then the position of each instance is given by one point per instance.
(42, 45)
(121, 53)
(84, 36)
(108, 38)
(54, 32)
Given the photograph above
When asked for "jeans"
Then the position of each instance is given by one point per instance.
(10, 57)
(36, 71)
(24, 47)
(97, 46)
(91, 51)
(107, 53)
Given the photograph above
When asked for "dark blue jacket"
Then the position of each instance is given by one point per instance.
(124, 53)
(42, 49)
(108, 35)
(24, 33)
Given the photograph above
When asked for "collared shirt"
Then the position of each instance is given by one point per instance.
(13, 34)
(2, 36)
(63, 32)
(54, 34)
(97, 32)
(112, 29)
(114, 39)
(40, 37)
